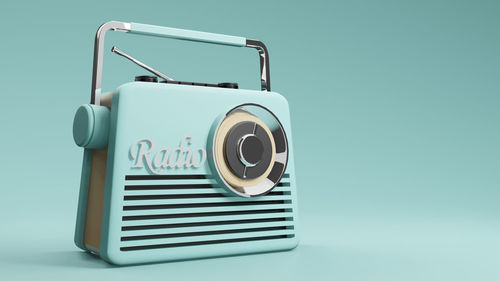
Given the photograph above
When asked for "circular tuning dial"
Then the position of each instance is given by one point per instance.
(249, 150)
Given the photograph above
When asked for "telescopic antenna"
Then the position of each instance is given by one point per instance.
(141, 64)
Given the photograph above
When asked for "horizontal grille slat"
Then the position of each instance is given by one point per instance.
(206, 223)
(165, 177)
(206, 242)
(216, 206)
(177, 190)
(203, 233)
(209, 237)
(177, 186)
(188, 195)
(203, 214)
(286, 213)
(175, 177)
(224, 199)
(283, 223)
(181, 186)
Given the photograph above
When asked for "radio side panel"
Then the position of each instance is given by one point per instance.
(82, 199)
(133, 220)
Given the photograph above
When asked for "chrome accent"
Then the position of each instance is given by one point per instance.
(141, 64)
(281, 157)
(95, 95)
(265, 81)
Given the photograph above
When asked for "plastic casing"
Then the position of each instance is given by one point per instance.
(166, 113)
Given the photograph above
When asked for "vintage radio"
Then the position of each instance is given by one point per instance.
(179, 170)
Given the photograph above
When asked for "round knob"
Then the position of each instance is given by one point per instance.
(91, 126)
(250, 150)
(230, 85)
(146, 78)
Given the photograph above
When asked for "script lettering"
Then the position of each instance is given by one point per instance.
(183, 156)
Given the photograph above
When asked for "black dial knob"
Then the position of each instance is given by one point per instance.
(250, 150)
(230, 85)
(146, 78)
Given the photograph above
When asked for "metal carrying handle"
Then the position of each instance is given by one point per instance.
(182, 34)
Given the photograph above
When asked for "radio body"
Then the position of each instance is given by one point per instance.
(174, 171)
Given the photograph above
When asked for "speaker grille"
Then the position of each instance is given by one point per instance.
(165, 211)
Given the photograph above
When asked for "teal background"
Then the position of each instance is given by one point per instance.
(395, 117)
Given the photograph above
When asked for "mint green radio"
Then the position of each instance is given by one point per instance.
(162, 183)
